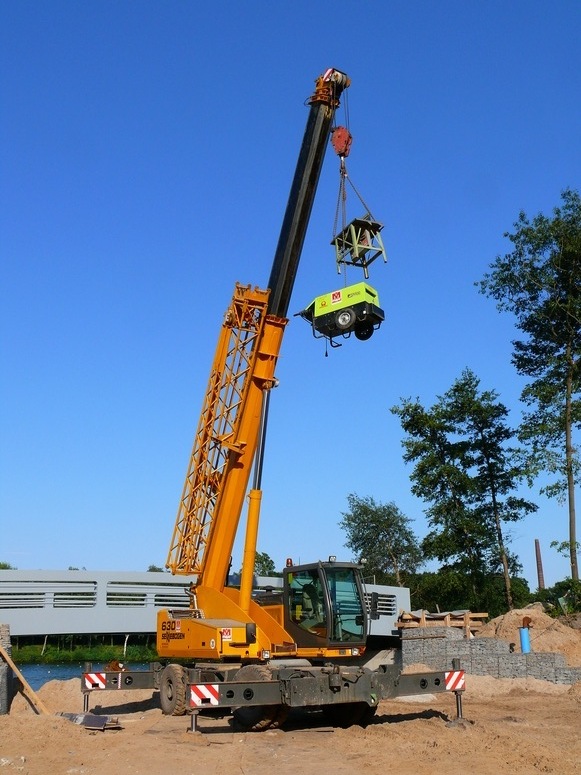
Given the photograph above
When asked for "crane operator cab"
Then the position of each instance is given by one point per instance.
(324, 606)
(352, 309)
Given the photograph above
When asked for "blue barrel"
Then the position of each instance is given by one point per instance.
(525, 640)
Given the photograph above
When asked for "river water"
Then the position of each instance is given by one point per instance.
(37, 675)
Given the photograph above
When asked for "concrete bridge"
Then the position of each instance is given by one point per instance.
(87, 602)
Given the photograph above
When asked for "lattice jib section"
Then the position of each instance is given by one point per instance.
(216, 438)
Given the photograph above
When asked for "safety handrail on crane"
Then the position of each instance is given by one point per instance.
(231, 425)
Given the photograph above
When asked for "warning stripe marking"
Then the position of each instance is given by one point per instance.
(204, 694)
(455, 681)
(96, 680)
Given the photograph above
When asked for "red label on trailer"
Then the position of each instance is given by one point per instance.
(226, 633)
(336, 297)
(204, 694)
(455, 681)
(96, 680)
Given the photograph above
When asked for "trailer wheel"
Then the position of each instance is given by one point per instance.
(255, 718)
(364, 330)
(172, 690)
(347, 714)
(345, 318)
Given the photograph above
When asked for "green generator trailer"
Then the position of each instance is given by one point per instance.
(354, 309)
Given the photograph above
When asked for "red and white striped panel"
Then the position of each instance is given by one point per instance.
(96, 680)
(204, 694)
(454, 681)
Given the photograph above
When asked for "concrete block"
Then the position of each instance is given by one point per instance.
(486, 646)
(460, 649)
(412, 653)
(436, 647)
(485, 666)
(512, 666)
(567, 675)
(541, 666)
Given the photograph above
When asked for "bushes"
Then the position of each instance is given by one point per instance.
(63, 650)
(563, 598)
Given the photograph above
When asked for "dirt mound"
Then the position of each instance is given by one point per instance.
(546, 634)
(66, 697)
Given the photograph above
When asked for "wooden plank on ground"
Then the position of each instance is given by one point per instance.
(27, 690)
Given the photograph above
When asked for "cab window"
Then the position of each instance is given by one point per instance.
(307, 602)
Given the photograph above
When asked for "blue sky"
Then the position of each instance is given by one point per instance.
(146, 155)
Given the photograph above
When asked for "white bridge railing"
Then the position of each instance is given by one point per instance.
(84, 602)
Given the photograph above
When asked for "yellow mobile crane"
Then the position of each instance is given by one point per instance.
(303, 646)
(230, 439)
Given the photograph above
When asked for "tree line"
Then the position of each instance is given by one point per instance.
(468, 463)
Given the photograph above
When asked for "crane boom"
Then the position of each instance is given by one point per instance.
(243, 372)
(323, 102)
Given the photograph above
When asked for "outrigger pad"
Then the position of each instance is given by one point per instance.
(354, 309)
(92, 721)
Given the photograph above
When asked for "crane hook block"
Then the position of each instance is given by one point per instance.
(341, 140)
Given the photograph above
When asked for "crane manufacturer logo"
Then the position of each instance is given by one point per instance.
(172, 631)
(336, 297)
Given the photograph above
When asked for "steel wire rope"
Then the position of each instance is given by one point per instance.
(342, 195)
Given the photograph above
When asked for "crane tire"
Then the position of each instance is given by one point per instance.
(255, 718)
(172, 690)
(348, 714)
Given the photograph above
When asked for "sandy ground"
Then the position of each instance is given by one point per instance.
(512, 726)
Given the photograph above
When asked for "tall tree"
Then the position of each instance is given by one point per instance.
(264, 564)
(381, 534)
(539, 281)
(467, 472)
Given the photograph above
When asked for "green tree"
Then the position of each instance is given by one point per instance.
(449, 590)
(380, 534)
(563, 598)
(539, 281)
(264, 565)
(6, 566)
(154, 569)
(466, 470)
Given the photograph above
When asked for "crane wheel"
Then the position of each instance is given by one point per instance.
(348, 714)
(255, 718)
(172, 690)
